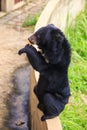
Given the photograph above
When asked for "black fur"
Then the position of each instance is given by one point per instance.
(52, 89)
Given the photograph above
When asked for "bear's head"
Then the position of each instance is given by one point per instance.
(50, 40)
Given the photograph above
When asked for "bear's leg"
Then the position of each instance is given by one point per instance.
(40, 104)
(41, 107)
(35, 91)
(53, 107)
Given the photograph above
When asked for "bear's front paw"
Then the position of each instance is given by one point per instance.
(21, 51)
(30, 48)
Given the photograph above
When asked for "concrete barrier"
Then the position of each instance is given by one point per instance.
(57, 11)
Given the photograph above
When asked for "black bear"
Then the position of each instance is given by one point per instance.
(52, 89)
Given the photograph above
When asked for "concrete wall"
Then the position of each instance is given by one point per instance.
(8, 5)
(57, 11)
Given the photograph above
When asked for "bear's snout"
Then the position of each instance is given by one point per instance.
(32, 39)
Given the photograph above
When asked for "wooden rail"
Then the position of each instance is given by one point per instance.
(35, 114)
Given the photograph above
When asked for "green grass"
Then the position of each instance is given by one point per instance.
(74, 117)
(77, 34)
(31, 20)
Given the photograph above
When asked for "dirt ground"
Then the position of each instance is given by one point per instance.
(10, 42)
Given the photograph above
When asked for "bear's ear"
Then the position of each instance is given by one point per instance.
(57, 35)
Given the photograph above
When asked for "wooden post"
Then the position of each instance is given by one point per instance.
(35, 114)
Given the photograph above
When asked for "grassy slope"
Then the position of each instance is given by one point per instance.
(74, 116)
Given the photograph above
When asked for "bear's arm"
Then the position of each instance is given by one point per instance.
(36, 59)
